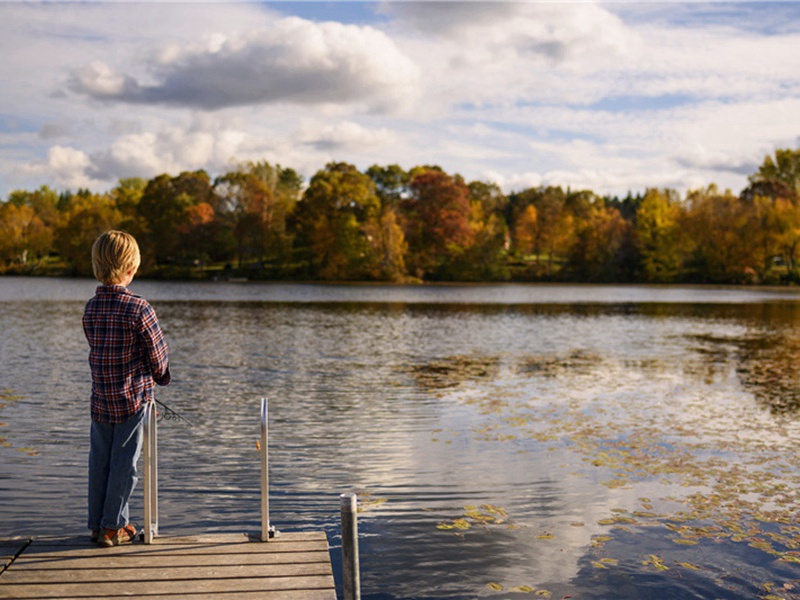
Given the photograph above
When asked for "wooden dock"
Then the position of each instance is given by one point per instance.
(228, 566)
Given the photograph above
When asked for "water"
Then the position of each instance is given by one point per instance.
(505, 441)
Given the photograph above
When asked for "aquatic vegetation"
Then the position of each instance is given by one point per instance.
(7, 397)
(486, 514)
(367, 502)
(453, 371)
(734, 480)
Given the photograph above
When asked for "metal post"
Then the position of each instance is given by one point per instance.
(351, 571)
(150, 473)
(267, 531)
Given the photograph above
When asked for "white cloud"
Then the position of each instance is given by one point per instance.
(68, 167)
(344, 136)
(291, 61)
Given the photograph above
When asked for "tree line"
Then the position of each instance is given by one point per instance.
(263, 221)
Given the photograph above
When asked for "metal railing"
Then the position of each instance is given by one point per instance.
(351, 570)
(267, 531)
(150, 460)
(349, 502)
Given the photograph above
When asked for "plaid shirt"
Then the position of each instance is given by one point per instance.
(127, 352)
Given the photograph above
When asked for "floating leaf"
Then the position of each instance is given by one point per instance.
(687, 565)
(789, 558)
(685, 542)
(656, 562)
(546, 536)
(524, 589)
(495, 587)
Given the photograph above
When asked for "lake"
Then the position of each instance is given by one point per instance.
(505, 440)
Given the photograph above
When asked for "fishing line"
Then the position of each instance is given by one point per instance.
(169, 415)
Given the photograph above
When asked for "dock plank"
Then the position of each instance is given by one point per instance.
(9, 548)
(293, 566)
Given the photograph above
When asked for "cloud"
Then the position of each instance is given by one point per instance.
(542, 34)
(292, 61)
(169, 149)
(68, 167)
(344, 136)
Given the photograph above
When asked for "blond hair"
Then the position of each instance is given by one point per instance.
(114, 255)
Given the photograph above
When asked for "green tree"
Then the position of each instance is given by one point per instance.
(777, 177)
(391, 184)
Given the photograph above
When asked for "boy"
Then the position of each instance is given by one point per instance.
(128, 356)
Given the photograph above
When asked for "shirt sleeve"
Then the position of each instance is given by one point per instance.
(156, 351)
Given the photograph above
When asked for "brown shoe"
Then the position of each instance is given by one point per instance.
(111, 537)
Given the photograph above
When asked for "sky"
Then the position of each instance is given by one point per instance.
(606, 96)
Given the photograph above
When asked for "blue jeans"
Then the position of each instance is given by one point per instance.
(113, 454)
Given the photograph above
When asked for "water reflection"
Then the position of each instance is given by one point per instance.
(604, 432)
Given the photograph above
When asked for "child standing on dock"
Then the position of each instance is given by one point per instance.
(128, 356)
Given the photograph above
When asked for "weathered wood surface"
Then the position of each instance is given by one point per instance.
(9, 548)
(293, 566)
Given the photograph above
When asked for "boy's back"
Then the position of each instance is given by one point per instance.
(127, 352)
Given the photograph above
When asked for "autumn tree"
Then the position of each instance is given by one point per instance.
(716, 224)
(388, 247)
(336, 215)
(525, 230)
(44, 202)
(23, 235)
(386, 234)
(550, 235)
(485, 258)
(601, 243)
(164, 209)
(785, 227)
(259, 198)
(436, 221)
(87, 216)
(34, 225)
(659, 236)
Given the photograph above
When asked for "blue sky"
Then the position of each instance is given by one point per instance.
(611, 97)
